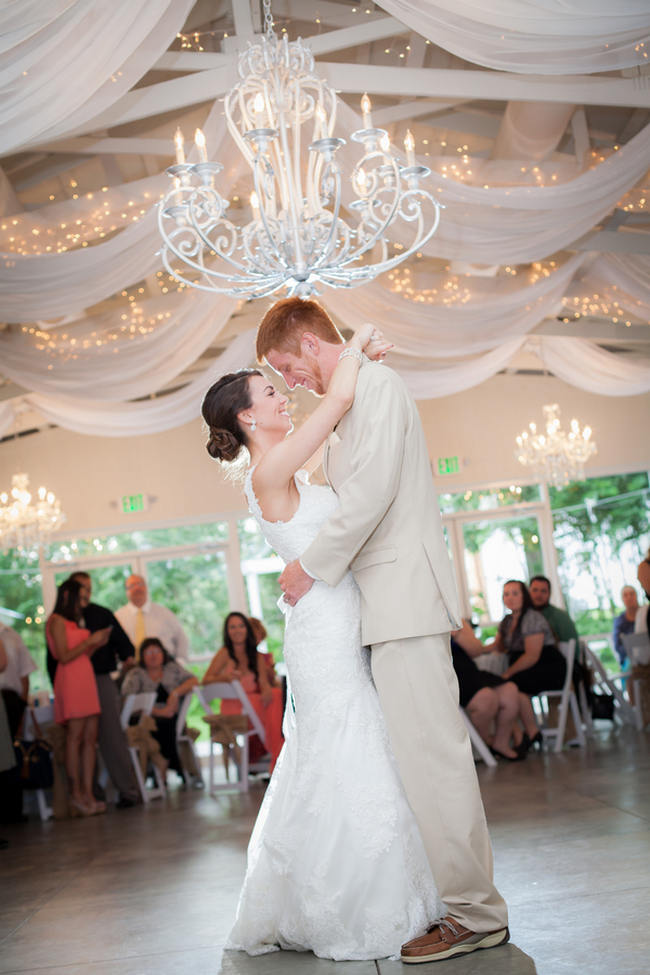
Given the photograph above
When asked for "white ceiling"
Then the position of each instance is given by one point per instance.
(414, 84)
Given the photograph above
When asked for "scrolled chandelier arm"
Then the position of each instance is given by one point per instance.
(282, 118)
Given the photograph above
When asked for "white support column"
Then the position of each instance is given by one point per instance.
(236, 587)
(549, 552)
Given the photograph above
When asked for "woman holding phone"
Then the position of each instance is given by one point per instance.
(76, 702)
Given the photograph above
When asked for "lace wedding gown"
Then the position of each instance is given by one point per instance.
(336, 864)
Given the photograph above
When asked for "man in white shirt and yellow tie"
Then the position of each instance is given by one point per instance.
(140, 618)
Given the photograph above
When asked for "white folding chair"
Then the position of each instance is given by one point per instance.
(637, 647)
(143, 703)
(611, 684)
(231, 691)
(567, 699)
(479, 747)
(44, 715)
(181, 735)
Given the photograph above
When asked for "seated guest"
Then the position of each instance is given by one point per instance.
(76, 702)
(624, 622)
(260, 634)
(534, 662)
(491, 703)
(562, 626)
(157, 672)
(238, 659)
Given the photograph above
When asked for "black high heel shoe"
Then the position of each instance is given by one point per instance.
(519, 757)
(527, 743)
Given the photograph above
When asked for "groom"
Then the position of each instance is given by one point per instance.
(388, 533)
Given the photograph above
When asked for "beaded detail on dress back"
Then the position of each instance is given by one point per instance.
(291, 538)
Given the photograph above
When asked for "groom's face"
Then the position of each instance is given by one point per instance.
(298, 370)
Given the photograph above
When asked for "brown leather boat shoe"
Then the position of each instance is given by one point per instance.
(448, 938)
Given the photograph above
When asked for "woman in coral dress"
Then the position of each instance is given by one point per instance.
(76, 703)
(238, 659)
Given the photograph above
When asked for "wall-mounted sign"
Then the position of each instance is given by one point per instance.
(133, 502)
(448, 465)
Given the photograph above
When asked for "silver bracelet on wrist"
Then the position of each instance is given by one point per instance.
(356, 353)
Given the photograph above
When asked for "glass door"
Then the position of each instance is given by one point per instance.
(495, 550)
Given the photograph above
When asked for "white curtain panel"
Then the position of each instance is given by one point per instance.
(66, 61)
(584, 364)
(533, 36)
(108, 419)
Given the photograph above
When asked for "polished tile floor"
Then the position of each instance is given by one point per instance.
(152, 891)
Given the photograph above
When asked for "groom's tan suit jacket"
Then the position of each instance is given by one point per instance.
(387, 529)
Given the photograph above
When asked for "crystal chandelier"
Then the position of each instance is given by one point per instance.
(27, 524)
(555, 456)
(282, 117)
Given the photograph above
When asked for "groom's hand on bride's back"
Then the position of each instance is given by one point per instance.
(295, 582)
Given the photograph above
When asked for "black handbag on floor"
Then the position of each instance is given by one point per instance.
(34, 760)
(602, 706)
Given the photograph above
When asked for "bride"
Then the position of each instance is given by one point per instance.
(336, 864)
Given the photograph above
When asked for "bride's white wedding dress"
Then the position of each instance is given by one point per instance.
(336, 864)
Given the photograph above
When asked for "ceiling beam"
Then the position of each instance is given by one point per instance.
(88, 146)
(178, 93)
(187, 61)
(479, 84)
(594, 328)
(625, 241)
(364, 33)
(412, 110)
(332, 14)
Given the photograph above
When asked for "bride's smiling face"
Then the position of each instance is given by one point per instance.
(268, 407)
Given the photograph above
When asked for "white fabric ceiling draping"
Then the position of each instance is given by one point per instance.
(497, 311)
(533, 36)
(110, 419)
(63, 63)
(49, 285)
(500, 224)
(495, 214)
(138, 365)
(585, 365)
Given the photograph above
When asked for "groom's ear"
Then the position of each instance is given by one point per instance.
(310, 343)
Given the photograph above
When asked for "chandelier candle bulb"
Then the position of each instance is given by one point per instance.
(179, 143)
(409, 145)
(199, 141)
(255, 205)
(365, 108)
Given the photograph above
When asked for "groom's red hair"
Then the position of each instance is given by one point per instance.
(284, 324)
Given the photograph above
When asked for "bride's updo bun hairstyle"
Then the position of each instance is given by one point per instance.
(221, 404)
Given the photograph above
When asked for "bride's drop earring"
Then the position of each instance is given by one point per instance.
(254, 425)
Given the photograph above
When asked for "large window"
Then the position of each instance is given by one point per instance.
(588, 538)
(601, 530)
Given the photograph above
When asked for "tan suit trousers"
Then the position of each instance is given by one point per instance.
(418, 692)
